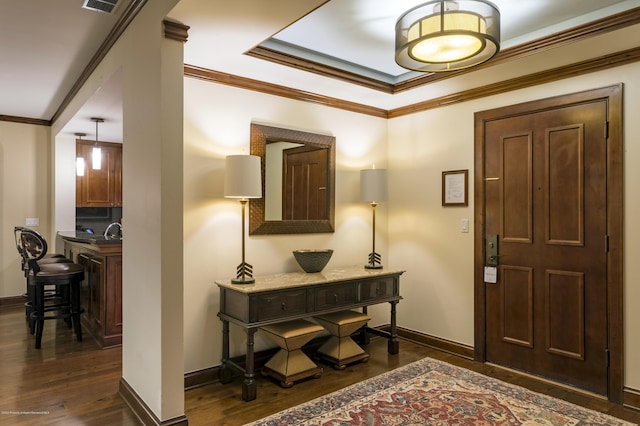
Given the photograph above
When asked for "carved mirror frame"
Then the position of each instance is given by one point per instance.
(261, 135)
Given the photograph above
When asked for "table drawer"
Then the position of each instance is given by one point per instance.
(277, 305)
(377, 289)
(328, 297)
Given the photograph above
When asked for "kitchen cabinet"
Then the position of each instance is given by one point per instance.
(101, 290)
(100, 187)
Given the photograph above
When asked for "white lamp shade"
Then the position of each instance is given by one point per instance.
(242, 177)
(373, 185)
(96, 158)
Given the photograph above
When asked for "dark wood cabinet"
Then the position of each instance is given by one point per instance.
(101, 290)
(100, 187)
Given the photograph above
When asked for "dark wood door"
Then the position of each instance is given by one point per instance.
(546, 199)
(305, 184)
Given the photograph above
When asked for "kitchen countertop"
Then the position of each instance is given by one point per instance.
(86, 238)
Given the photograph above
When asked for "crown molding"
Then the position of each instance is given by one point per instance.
(127, 17)
(25, 120)
(175, 30)
(282, 91)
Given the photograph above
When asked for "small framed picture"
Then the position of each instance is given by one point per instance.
(455, 188)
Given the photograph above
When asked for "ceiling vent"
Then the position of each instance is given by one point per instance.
(105, 6)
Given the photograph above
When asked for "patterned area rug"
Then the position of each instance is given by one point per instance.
(432, 392)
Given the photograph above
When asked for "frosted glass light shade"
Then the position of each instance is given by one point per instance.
(96, 158)
(242, 177)
(447, 35)
(373, 185)
(80, 166)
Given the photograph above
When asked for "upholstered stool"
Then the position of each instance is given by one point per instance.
(39, 245)
(290, 363)
(63, 277)
(66, 277)
(340, 349)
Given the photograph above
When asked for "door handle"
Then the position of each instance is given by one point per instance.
(491, 250)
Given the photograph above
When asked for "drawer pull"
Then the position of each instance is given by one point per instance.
(335, 296)
(284, 306)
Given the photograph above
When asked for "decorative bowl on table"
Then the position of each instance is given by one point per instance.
(312, 260)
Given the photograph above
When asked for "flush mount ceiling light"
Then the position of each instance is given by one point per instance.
(447, 35)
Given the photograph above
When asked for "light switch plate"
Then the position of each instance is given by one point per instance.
(32, 221)
(464, 225)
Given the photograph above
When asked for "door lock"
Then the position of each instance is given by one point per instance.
(492, 253)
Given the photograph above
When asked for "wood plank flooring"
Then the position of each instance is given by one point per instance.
(76, 383)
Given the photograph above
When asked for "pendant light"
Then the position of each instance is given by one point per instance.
(80, 160)
(96, 154)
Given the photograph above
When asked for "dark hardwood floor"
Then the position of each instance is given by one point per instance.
(76, 383)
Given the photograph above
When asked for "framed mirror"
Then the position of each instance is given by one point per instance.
(298, 181)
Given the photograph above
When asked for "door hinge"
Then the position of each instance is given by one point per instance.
(606, 244)
(606, 130)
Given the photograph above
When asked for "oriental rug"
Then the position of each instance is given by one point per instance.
(432, 392)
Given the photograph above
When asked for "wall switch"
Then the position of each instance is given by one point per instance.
(464, 225)
(32, 221)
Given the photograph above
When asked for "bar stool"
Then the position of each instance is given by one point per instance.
(340, 349)
(65, 277)
(45, 259)
(290, 363)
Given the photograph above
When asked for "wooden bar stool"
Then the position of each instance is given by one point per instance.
(290, 364)
(340, 350)
(64, 277)
(44, 258)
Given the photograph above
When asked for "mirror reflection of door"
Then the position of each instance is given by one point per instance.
(304, 183)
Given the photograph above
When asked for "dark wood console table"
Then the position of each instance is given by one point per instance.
(283, 297)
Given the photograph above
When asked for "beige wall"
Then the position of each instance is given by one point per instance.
(212, 227)
(424, 237)
(25, 176)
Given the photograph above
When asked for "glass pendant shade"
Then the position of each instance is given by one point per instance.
(447, 35)
(80, 166)
(96, 158)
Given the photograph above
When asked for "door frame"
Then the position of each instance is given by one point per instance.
(613, 96)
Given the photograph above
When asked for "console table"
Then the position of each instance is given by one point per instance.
(283, 297)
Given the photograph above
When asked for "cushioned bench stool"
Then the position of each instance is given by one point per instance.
(340, 349)
(290, 364)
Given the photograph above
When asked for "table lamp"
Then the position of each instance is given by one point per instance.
(242, 179)
(373, 189)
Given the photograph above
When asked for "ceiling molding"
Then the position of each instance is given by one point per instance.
(128, 15)
(277, 90)
(293, 61)
(591, 29)
(176, 30)
(25, 120)
(535, 79)
(584, 67)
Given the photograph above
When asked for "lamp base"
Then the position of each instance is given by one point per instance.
(245, 280)
(374, 261)
(244, 274)
(368, 266)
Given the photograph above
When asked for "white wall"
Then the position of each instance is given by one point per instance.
(425, 238)
(25, 172)
(212, 238)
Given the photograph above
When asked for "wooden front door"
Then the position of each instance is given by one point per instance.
(545, 198)
(305, 183)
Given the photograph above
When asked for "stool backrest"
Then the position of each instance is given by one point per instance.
(31, 245)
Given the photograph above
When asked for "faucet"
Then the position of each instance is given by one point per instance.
(106, 232)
